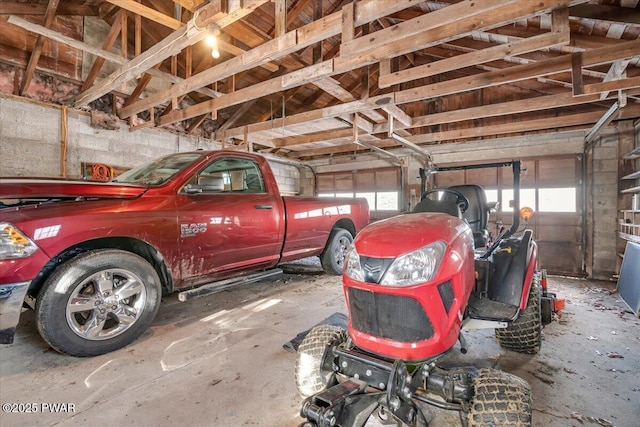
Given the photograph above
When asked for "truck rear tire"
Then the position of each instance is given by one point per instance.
(98, 302)
(310, 378)
(500, 399)
(333, 256)
(524, 335)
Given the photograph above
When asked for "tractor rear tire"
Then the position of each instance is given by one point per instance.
(310, 377)
(524, 334)
(500, 399)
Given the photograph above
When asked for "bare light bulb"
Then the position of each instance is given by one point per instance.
(211, 40)
(215, 53)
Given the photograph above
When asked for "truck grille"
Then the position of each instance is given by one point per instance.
(392, 317)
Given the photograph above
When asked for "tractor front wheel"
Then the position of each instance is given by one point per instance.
(524, 334)
(500, 399)
(310, 377)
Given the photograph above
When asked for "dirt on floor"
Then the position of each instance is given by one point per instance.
(219, 360)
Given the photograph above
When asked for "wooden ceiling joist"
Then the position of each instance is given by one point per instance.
(290, 42)
(187, 35)
(558, 37)
(521, 72)
(584, 120)
(313, 72)
(112, 35)
(49, 16)
(85, 47)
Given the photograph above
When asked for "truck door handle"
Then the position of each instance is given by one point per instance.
(264, 207)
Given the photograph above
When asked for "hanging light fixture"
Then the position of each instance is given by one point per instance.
(213, 31)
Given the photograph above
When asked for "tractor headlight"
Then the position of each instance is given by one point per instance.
(14, 244)
(352, 267)
(416, 267)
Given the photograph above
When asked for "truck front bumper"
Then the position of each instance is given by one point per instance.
(11, 299)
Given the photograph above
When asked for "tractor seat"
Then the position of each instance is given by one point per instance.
(477, 215)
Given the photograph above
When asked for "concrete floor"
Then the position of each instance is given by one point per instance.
(218, 361)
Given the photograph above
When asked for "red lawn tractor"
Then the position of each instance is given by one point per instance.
(412, 283)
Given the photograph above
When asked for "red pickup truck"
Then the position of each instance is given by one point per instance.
(93, 259)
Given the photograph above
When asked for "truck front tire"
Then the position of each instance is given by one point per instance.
(333, 256)
(98, 302)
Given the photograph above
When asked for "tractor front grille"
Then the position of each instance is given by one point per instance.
(392, 317)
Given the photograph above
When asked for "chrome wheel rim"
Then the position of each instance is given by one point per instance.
(340, 250)
(106, 304)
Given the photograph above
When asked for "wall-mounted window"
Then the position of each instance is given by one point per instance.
(549, 199)
(381, 201)
(381, 188)
(557, 199)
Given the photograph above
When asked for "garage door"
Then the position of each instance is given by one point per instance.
(552, 187)
(381, 188)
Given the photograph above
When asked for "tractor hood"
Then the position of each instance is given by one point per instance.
(402, 234)
(47, 188)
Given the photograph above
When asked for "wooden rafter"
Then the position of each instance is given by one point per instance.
(172, 45)
(106, 45)
(49, 16)
(322, 69)
(292, 41)
(85, 47)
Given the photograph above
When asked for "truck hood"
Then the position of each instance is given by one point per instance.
(39, 188)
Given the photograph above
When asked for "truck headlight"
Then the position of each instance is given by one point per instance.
(13, 243)
(419, 266)
(352, 267)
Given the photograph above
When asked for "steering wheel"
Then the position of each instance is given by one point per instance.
(461, 199)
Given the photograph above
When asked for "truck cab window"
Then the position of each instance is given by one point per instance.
(228, 175)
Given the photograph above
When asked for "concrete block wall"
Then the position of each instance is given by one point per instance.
(603, 198)
(30, 135)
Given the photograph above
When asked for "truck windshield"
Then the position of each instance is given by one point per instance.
(159, 171)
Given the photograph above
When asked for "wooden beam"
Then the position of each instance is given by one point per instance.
(518, 73)
(112, 35)
(398, 114)
(49, 16)
(85, 47)
(464, 24)
(348, 22)
(141, 86)
(412, 27)
(280, 18)
(313, 137)
(570, 120)
(602, 12)
(190, 5)
(576, 73)
(616, 72)
(474, 58)
(340, 65)
(195, 123)
(124, 36)
(64, 140)
(500, 109)
(171, 45)
(292, 41)
(137, 28)
(628, 83)
(12, 8)
(147, 12)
